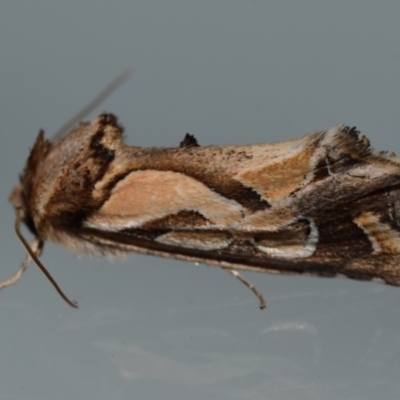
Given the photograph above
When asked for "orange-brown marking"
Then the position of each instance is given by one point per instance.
(277, 180)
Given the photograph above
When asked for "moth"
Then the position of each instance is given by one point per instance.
(324, 204)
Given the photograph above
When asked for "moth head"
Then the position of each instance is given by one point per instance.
(21, 198)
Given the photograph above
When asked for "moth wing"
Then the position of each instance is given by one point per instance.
(170, 214)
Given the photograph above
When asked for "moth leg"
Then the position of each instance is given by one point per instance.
(37, 247)
(242, 279)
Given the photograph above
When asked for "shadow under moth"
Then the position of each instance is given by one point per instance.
(324, 204)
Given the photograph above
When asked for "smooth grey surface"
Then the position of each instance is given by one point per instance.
(227, 72)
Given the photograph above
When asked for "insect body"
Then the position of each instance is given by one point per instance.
(324, 204)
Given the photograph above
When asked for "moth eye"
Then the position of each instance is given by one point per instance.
(28, 220)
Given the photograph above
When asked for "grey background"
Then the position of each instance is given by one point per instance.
(228, 72)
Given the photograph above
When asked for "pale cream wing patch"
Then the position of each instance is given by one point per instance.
(200, 240)
(143, 196)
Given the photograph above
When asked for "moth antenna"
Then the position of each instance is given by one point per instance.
(111, 87)
(242, 279)
(32, 256)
